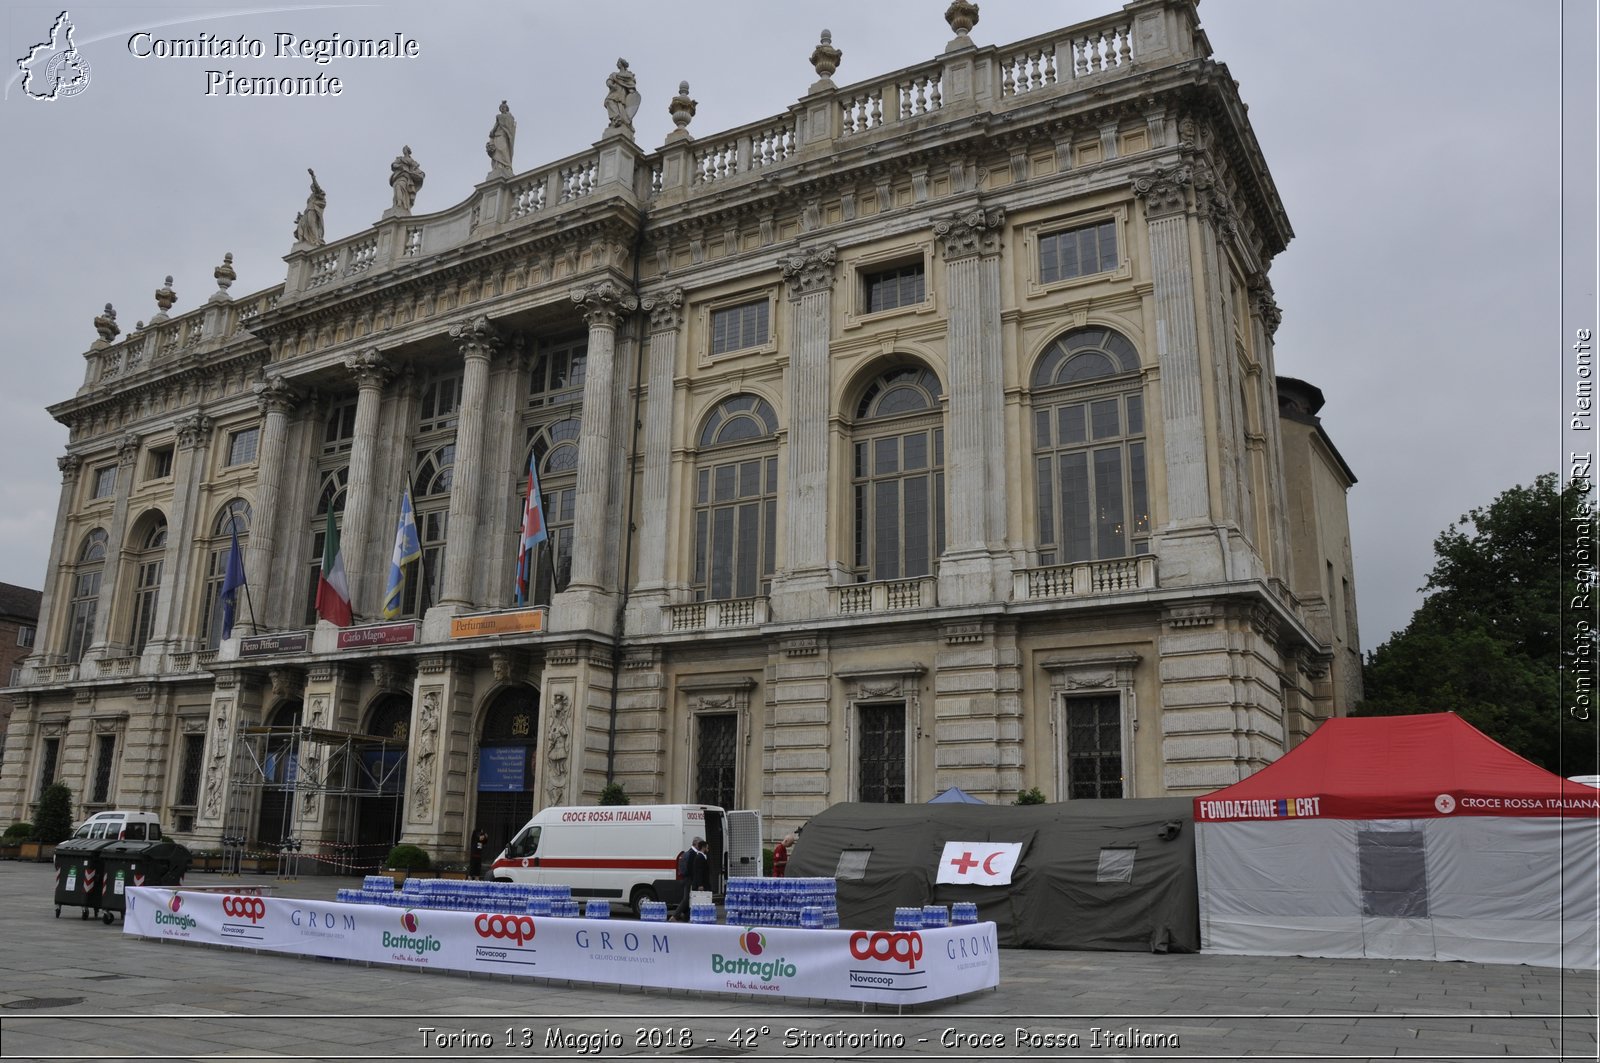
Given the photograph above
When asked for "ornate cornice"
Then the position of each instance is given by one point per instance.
(604, 304)
(971, 232)
(811, 269)
(665, 309)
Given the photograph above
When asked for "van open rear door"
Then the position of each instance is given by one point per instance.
(744, 844)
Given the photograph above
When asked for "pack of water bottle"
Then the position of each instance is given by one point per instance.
(453, 895)
(653, 911)
(783, 902)
(932, 916)
(543, 900)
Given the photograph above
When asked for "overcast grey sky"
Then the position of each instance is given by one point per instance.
(1415, 146)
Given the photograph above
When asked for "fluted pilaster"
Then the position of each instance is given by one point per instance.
(371, 370)
(277, 399)
(477, 341)
(603, 305)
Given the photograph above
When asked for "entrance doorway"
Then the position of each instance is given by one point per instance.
(506, 750)
(382, 774)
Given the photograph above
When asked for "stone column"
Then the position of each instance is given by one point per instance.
(1186, 544)
(188, 470)
(276, 399)
(127, 456)
(800, 588)
(371, 370)
(477, 340)
(1264, 320)
(650, 593)
(603, 306)
(974, 568)
(44, 645)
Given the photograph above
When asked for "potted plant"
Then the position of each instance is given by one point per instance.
(205, 860)
(52, 823)
(452, 871)
(11, 840)
(404, 860)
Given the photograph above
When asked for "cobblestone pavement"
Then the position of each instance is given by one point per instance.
(73, 989)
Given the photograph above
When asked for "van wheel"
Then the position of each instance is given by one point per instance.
(638, 897)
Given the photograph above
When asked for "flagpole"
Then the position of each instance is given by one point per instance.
(250, 603)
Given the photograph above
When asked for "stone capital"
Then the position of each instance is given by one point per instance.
(276, 395)
(1163, 190)
(128, 448)
(971, 232)
(193, 430)
(1265, 302)
(371, 368)
(69, 464)
(665, 310)
(605, 304)
(810, 270)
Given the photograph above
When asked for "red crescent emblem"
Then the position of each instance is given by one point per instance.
(986, 861)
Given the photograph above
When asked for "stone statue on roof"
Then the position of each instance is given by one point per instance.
(622, 97)
(308, 223)
(502, 139)
(405, 177)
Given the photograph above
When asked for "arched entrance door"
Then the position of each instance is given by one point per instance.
(278, 768)
(382, 772)
(506, 748)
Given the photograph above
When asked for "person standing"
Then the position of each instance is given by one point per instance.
(780, 855)
(480, 842)
(697, 876)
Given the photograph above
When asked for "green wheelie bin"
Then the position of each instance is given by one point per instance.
(134, 863)
(78, 874)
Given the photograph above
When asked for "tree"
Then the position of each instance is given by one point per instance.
(613, 794)
(1494, 637)
(52, 820)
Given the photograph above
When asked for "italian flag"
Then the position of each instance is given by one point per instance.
(333, 590)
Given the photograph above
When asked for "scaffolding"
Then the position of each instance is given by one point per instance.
(286, 780)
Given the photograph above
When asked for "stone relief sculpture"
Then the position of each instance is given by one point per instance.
(622, 97)
(214, 770)
(560, 743)
(308, 223)
(405, 177)
(502, 140)
(427, 749)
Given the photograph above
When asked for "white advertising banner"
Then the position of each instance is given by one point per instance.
(873, 966)
(978, 863)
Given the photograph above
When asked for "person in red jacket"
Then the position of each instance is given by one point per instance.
(780, 855)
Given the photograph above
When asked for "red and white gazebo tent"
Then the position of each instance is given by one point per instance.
(1408, 837)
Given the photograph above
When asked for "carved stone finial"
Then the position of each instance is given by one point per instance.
(681, 109)
(106, 325)
(224, 273)
(825, 60)
(962, 16)
(165, 297)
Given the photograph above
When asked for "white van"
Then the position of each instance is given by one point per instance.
(132, 826)
(618, 852)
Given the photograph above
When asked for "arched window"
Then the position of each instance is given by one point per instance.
(431, 480)
(147, 582)
(555, 448)
(897, 476)
(86, 573)
(736, 500)
(1088, 446)
(232, 518)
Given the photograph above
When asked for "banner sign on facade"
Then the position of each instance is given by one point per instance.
(515, 622)
(978, 863)
(503, 769)
(285, 642)
(378, 635)
(865, 966)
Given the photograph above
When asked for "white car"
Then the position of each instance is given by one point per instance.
(130, 826)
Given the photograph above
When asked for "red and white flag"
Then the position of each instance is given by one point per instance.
(978, 863)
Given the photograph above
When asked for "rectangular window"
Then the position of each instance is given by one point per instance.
(890, 288)
(734, 328)
(881, 761)
(189, 776)
(242, 446)
(105, 482)
(25, 635)
(1078, 252)
(144, 604)
(717, 743)
(1094, 747)
(80, 624)
(339, 432)
(105, 759)
(159, 466)
(1394, 873)
(47, 762)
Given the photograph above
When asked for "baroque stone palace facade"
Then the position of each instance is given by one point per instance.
(925, 434)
